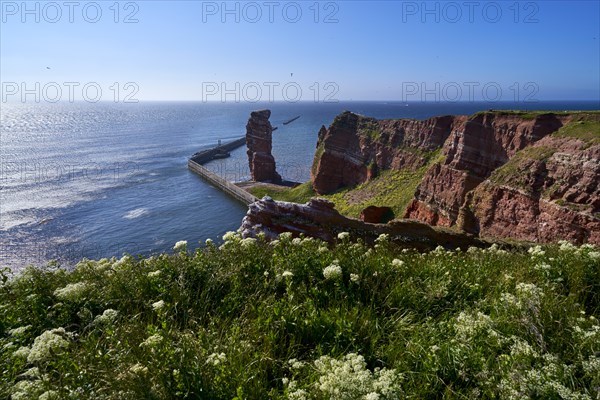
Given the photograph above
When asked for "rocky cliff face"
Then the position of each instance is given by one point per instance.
(258, 139)
(355, 148)
(502, 174)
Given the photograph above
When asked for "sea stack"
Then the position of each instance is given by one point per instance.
(259, 141)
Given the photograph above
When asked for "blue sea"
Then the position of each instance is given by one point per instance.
(99, 180)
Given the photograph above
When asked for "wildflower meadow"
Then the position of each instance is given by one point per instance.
(297, 318)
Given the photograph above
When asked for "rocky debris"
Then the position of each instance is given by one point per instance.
(259, 141)
(377, 215)
(319, 219)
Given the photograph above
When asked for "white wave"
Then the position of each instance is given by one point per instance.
(138, 212)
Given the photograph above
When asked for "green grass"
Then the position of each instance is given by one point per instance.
(394, 189)
(370, 128)
(516, 171)
(391, 188)
(300, 319)
(536, 113)
(299, 194)
(585, 128)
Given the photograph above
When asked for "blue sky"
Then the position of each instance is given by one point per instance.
(376, 50)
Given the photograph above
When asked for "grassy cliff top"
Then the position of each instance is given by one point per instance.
(526, 114)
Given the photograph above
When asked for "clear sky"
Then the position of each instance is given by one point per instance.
(360, 50)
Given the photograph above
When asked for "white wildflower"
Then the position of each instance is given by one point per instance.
(439, 250)
(566, 246)
(295, 364)
(19, 331)
(296, 241)
(208, 242)
(287, 274)
(152, 341)
(467, 325)
(298, 394)
(266, 274)
(332, 272)
(230, 236)
(350, 379)
(354, 277)
(528, 291)
(383, 238)
(121, 262)
(22, 352)
(536, 251)
(397, 263)
(49, 395)
(72, 292)
(154, 274)
(247, 242)
(159, 305)
(594, 255)
(107, 317)
(26, 390)
(472, 250)
(521, 348)
(591, 365)
(138, 369)
(274, 243)
(48, 344)
(343, 236)
(323, 249)
(32, 373)
(284, 236)
(216, 359)
(180, 246)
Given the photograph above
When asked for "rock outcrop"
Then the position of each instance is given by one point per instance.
(259, 141)
(377, 215)
(319, 219)
(527, 176)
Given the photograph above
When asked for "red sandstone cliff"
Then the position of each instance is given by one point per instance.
(503, 174)
(355, 148)
(258, 139)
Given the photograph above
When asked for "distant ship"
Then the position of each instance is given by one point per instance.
(291, 120)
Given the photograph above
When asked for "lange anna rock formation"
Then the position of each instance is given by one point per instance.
(258, 139)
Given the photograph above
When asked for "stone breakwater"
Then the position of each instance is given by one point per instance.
(195, 165)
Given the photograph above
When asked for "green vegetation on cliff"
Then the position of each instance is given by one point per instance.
(534, 114)
(585, 127)
(391, 188)
(298, 319)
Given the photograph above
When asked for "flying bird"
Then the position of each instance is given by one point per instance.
(47, 67)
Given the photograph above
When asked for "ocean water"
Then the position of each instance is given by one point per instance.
(99, 180)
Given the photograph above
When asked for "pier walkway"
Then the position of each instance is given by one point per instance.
(195, 165)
